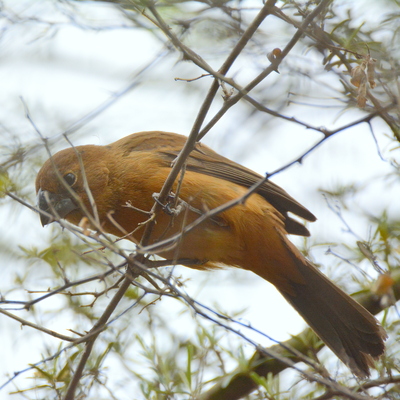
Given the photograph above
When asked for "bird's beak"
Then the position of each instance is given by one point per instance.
(57, 205)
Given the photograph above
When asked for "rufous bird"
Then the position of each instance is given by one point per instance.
(123, 178)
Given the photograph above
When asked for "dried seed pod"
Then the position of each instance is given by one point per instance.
(362, 94)
(358, 75)
(371, 72)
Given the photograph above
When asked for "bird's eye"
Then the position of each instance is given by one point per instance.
(70, 179)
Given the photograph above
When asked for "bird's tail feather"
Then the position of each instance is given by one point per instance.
(348, 329)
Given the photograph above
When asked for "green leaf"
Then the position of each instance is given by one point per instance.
(6, 184)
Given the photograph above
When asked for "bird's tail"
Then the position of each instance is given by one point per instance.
(345, 326)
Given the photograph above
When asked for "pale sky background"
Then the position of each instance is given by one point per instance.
(66, 72)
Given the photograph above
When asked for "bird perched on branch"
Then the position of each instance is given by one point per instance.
(122, 179)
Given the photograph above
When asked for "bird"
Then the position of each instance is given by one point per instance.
(122, 180)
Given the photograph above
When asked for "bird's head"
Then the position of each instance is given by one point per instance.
(60, 183)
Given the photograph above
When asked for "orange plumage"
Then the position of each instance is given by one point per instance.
(123, 177)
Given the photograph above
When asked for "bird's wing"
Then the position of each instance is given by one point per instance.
(204, 160)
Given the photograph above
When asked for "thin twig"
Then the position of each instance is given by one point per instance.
(24, 322)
